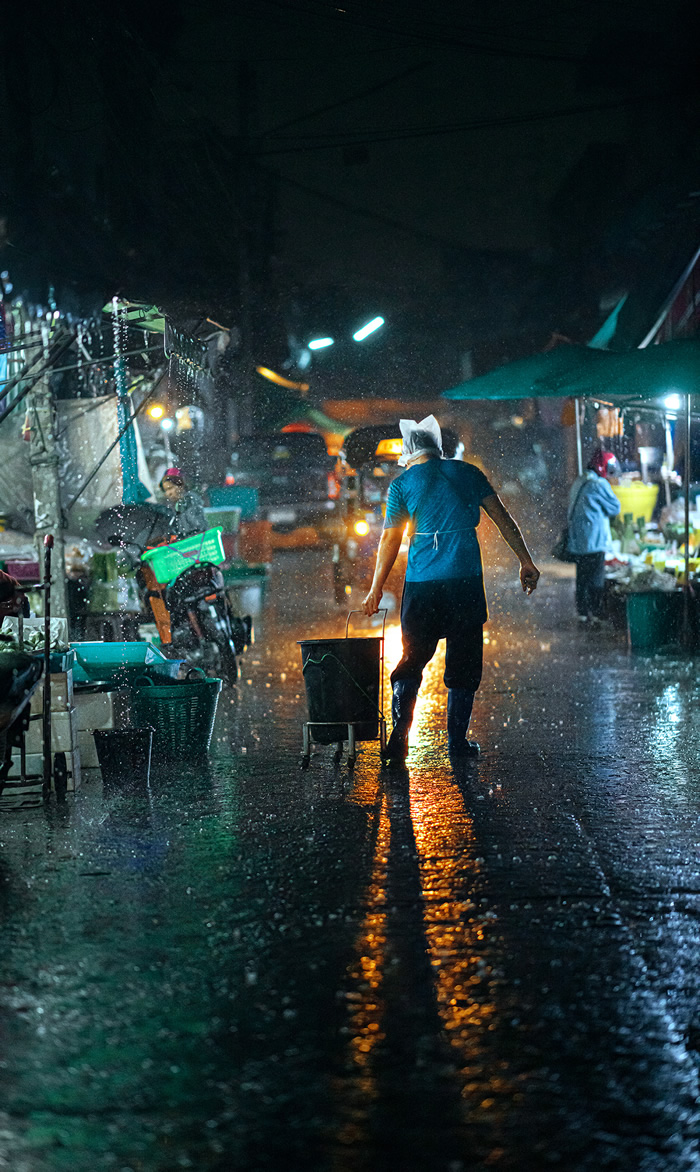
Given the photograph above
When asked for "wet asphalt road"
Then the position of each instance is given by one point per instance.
(256, 967)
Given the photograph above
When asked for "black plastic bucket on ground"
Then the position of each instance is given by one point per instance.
(342, 684)
(125, 757)
(654, 619)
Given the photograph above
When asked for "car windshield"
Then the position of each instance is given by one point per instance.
(296, 448)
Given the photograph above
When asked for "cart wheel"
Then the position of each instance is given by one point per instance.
(60, 776)
(305, 762)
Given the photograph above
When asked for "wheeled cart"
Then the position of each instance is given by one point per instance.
(344, 681)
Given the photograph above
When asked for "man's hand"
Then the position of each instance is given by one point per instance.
(371, 603)
(529, 576)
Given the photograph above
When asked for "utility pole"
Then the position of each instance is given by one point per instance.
(48, 516)
(245, 199)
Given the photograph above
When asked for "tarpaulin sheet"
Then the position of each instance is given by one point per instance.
(86, 428)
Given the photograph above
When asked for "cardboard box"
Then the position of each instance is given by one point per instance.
(61, 693)
(103, 709)
(64, 733)
(88, 751)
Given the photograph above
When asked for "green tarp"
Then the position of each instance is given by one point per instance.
(583, 372)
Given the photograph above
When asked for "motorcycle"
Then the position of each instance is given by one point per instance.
(192, 612)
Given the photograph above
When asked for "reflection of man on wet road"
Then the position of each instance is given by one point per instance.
(444, 589)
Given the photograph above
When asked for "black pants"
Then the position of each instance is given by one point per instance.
(590, 583)
(454, 610)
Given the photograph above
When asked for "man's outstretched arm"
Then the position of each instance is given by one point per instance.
(389, 546)
(497, 511)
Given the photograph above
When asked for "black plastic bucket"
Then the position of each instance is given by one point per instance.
(342, 684)
(125, 758)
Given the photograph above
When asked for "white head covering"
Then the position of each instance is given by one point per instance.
(420, 439)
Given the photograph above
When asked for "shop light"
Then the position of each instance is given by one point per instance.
(273, 377)
(361, 528)
(156, 411)
(672, 402)
(320, 343)
(368, 329)
(389, 447)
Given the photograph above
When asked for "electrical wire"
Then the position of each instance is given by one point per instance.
(367, 138)
(446, 39)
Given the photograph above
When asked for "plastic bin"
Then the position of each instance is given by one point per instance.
(245, 587)
(654, 619)
(181, 714)
(125, 757)
(636, 498)
(240, 495)
(342, 684)
(226, 517)
(120, 661)
(169, 561)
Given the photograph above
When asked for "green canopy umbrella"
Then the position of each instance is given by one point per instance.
(519, 379)
(649, 373)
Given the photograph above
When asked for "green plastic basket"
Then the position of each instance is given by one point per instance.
(169, 561)
(181, 714)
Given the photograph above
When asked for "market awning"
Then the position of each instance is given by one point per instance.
(583, 372)
(653, 372)
(519, 379)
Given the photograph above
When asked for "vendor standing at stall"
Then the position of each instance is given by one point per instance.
(592, 503)
(187, 506)
(444, 589)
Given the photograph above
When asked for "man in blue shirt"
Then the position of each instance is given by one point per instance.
(444, 589)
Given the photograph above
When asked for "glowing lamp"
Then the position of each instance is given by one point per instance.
(389, 447)
(320, 343)
(369, 328)
(361, 528)
(156, 411)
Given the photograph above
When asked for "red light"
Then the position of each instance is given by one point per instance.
(230, 479)
(333, 487)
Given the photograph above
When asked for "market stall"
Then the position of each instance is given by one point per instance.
(652, 570)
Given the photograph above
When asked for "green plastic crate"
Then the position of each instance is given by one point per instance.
(169, 561)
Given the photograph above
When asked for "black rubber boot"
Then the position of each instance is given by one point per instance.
(459, 710)
(403, 702)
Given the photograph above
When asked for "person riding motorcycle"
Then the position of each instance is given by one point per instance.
(187, 506)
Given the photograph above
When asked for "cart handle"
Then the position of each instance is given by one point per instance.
(383, 610)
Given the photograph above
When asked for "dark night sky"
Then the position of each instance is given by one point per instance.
(477, 166)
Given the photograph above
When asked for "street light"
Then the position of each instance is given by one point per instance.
(321, 343)
(368, 329)
(156, 411)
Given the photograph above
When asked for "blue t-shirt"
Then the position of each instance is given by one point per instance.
(442, 500)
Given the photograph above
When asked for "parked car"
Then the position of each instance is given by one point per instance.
(294, 476)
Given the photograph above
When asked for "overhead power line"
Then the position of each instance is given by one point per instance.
(448, 39)
(400, 134)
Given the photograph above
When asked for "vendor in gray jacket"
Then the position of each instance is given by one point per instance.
(592, 503)
(187, 506)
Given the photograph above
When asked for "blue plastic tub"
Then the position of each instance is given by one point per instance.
(121, 661)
